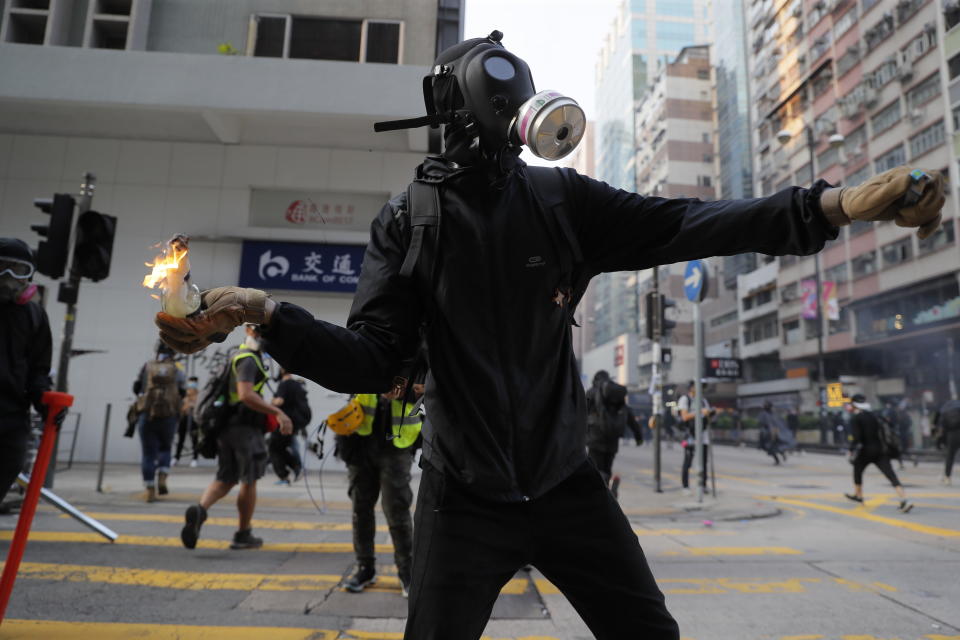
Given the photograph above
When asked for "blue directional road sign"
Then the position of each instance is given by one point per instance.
(695, 281)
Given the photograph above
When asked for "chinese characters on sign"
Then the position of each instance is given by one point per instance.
(835, 397)
(723, 368)
(320, 210)
(300, 266)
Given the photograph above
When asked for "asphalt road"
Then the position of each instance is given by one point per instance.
(778, 555)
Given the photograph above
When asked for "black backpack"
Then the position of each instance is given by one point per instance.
(608, 415)
(213, 409)
(889, 439)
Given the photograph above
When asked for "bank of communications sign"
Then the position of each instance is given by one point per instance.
(300, 266)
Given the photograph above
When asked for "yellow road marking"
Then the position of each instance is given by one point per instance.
(746, 480)
(262, 501)
(158, 541)
(857, 512)
(45, 629)
(734, 551)
(197, 581)
(287, 525)
(294, 525)
(336, 547)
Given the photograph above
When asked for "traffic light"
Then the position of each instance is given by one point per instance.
(52, 252)
(666, 325)
(94, 245)
(657, 323)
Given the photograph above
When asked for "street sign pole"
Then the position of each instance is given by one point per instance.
(695, 286)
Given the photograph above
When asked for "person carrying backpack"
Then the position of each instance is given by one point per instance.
(160, 388)
(291, 396)
(872, 443)
(506, 480)
(948, 425)
(242, 453)
(608, 418)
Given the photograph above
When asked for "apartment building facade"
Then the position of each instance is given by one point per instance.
(867, 82)
(246, 124)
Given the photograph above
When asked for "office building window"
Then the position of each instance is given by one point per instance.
(828, 158)
(924, 92)
(675, 8)
(312, 38)
(879, 31)
(953, 65)
(674, 35)
(841, 324)
(846, 21)
(721, 320)
(836, 273)
(864, 264)
(930, 138)
(886, 117)
(760, 329)
(942, 237)
(803, 177)
(897, 252)
(858, 176)
(638, 33)
(893, 158)
(789, 293)
(887, 71)
(791, 332)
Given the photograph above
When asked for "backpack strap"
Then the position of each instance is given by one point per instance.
(552, 198)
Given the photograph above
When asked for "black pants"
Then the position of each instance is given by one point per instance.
(688, 453)
(882, 462)
(186, 427)
(284, 455)
(953, 445)
(388, 473)
(14, 437)
(603, 461)
(468, 548)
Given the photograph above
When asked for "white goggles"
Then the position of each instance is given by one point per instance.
(19, 269)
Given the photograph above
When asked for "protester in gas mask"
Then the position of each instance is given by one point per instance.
(25, 345)
(485, 260)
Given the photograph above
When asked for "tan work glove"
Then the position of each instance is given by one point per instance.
(222, 310)
(879, 198)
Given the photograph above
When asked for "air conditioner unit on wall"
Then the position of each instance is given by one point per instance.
(905, 71)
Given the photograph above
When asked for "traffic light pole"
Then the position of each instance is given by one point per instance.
(68, 293)
(657, 383)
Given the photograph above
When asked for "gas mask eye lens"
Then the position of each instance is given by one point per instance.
(499, 68)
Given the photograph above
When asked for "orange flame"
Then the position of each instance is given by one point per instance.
(167, 267)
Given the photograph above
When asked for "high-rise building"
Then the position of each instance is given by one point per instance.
(247, 125)
(844, 90)
(644, 36)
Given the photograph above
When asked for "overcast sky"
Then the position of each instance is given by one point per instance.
(559, 39)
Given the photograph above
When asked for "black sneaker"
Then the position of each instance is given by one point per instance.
(246, 540)
(905, 506)
(404, 583)
(364, 576)
(194, 518)
(851, 496)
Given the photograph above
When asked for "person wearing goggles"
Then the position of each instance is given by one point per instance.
(25, 350)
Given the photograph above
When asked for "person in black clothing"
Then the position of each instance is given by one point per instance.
(506, 481)
(291, 396)
(25, 347)
(608, 419)
(772, 430)
(948, 436)
(866, 447)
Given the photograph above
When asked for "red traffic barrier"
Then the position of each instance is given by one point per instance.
(55, 402)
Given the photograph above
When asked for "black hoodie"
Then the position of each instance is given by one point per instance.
(25, 347)
(505, 404)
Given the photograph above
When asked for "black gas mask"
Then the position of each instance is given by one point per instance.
(485, 98)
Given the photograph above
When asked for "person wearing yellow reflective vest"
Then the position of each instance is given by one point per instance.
(242, 452)
(378, 456)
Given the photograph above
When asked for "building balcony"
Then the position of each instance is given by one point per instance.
(760, 347)
(204, 98)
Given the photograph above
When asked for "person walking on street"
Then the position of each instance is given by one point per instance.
(687, 414)
(242, 454)
(793, 423)
(772, 428)
(608, 419)
(291, 396)
(160, 391)
(378, 457)
(492, 292)
(868, 446)
(187, 425)
(948, 427)
(25, 348)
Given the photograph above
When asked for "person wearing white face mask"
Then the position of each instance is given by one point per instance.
(242, 457)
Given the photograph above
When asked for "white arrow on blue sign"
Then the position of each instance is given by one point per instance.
(695, 280)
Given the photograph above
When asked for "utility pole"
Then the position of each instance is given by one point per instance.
(68, 293)
(656, 382)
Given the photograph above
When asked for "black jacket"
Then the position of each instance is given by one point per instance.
(25, 346)
(505, 404)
